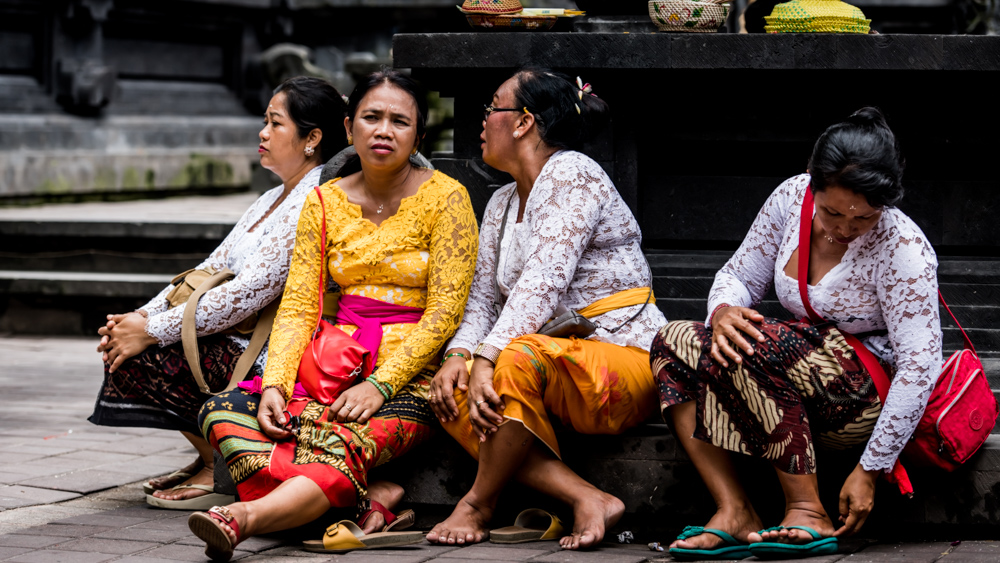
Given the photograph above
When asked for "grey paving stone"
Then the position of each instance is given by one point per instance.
(105, 545)
(12, 459)
(103, 519)
(55, 556)
(39, 468)
(367, 556)
(986, 547)
(84, 481)
(143, 559)
(14, 496)
(43, 448)
(139, 445)
(433, 549)
(269, 557)
(6, 552)
(11, 478)
(928, 549)
(143, 511)
(177, 552)
(599, 555)
(145, 534)
(37, 542)
(64, 530)
(253, 545)
(178, 522)
(494, 553)
(101, 457)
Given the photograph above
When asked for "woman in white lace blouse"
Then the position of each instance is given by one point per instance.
(147, 381)
(769, 388)
(559, 238)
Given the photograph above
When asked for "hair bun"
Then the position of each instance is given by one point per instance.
(870, 116)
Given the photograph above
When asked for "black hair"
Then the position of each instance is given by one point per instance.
(565, 120)
(313, 103)
(399, 80)
(861, 154)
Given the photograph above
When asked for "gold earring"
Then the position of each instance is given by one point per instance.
(413, 152)
(350, 140)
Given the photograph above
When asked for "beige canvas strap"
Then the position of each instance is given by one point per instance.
(189, 336)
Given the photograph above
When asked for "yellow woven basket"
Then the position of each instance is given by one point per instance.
(693, 16)
(816, 16)
(491, 6)
(503, 21)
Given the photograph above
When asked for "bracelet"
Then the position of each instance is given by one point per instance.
(280, 388)
(453, 354)
(488, 352)
(382, 388)
(716, 310)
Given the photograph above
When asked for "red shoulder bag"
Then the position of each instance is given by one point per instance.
(961, 411)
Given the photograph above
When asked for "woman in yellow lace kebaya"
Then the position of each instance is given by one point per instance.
(397, 235)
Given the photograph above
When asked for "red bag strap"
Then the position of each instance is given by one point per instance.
(879, 378)
(322, 257)
(968, 343)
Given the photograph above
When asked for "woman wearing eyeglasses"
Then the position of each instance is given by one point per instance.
(557, 239)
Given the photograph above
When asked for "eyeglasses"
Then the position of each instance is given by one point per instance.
(488, 109)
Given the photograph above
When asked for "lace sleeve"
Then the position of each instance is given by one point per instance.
(296, 316)
(562, 211)
(747, 276)
(907, 291)
(479, 314)
(215, 312)
(453, 242)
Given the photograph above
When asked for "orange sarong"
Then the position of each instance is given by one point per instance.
(591, 387)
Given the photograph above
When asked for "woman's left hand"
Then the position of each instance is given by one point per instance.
(357, 404)
(485, 405)
(857, 498)
(126, 337)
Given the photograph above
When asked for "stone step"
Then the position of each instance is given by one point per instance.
(651, 474)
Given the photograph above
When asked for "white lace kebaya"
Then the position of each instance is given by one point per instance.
(260, 259)
(577, 242)
(887, 282)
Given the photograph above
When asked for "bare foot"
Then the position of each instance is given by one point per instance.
(592, 516)
(388, 495)
(812, 517)
(467, 524)
(166, 482)
(739, 522)
(206, 476)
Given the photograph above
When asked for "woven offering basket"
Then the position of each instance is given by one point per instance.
(491, 6)
(697, 16)
(816, 16)
(511, 23)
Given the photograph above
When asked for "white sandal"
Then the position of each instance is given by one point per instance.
(203, 502)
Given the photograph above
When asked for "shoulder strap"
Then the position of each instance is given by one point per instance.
(189, 335)
(805, 242)
(497, 297)
(322, 257)
(968, 342)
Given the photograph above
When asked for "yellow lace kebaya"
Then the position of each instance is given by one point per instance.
(423, 256)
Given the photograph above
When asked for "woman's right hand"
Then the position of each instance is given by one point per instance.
(454, 373)
(729, 324)
(271, 414)
(485, 405)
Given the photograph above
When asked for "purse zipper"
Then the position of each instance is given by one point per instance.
(937, 423)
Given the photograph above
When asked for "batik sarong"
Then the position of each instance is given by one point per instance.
(802, 385)
(336, 456)
(590, 387)
(155, 389)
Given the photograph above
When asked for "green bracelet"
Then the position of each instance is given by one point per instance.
(466, 358)
(378, 385)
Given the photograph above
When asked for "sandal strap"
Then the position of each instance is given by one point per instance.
(370, 506)
(224, 515)
(691, 531)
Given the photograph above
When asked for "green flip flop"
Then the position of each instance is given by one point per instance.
(778, 550)
(730, 548)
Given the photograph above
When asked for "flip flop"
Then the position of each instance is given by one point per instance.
(777, 550)
(346, 536)
(730, 548)
(533, 524)
(179, 476)
(203, 502)
(401, 521)
(205, 525)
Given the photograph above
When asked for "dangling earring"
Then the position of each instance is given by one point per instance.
(309, 151)
(413, 152)
(350, 140)
(516, 134)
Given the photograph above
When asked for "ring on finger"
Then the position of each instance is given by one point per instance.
(479, 403)
(349, 407)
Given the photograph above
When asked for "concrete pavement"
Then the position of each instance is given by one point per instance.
(71, 491)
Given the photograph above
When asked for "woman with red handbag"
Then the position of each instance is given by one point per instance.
(769, 388)
(400, 242)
